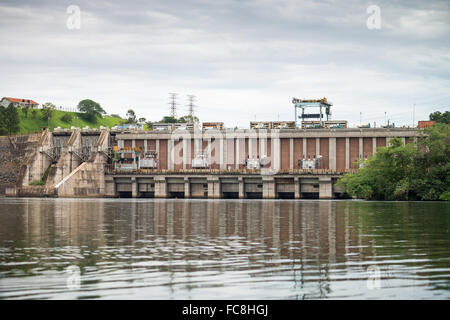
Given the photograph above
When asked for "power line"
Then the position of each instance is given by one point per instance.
(191, 104)
(173, 104)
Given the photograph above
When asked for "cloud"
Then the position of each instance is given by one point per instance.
(242, 59)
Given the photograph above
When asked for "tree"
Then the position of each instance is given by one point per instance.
(433, 174)
(142, 120)
(25, 111)
(169, 119)
(440, 117)
(34, 113)
(131, 116)
(9, 119)
(48, 109)
(189, 119)
(90, 109)
(149, 125)
(2, 120)
(406, 172)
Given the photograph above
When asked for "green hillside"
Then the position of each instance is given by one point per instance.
(34, 124)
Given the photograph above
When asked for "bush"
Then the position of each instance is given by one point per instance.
(37, 183)
(405, 172)
(445, 196)
(25, 111)
(67, 118)
(149, 125)
(89, 117)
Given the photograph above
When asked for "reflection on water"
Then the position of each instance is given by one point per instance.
(217, 249)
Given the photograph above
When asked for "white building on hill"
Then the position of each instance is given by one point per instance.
(19, 102)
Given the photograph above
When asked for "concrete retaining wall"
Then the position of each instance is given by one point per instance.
(16, 152)
(88, 179)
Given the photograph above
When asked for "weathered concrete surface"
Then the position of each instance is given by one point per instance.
(35, 191)
(88, 179)
(80, 173)
(268, 188)
(160, 187)
(221, 185)
(281, 133)
(325, 188)
(110, 187)
(213, 187)
(85, 181)
(40, 160)
(67, 161)
(16, 152)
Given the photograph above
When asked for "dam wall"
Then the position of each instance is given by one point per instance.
(80, 163)
(281, 153)
(339, 149)
(314, 184)
(16, 152)
(67, 160)
(40, 161)
(87, 179)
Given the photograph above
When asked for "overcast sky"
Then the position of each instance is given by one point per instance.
(244, 60)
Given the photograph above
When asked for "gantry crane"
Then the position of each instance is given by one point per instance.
(324, 109)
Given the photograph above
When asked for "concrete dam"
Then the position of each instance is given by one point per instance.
(189, 163)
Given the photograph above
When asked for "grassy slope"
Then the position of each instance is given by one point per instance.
(30, 124)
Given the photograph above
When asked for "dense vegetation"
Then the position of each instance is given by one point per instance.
(406, 172)
(170, 119)
(440, 117)
(9, 119)
(25, 120)
(90, 110)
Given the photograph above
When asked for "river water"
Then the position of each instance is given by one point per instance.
(223, 249)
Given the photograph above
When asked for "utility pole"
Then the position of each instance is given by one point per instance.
(360, 118)
(385, 118)
(414, 115)
(173, 104)
(191, 106)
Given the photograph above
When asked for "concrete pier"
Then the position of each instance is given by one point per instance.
(325, 188)
(215, 186)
